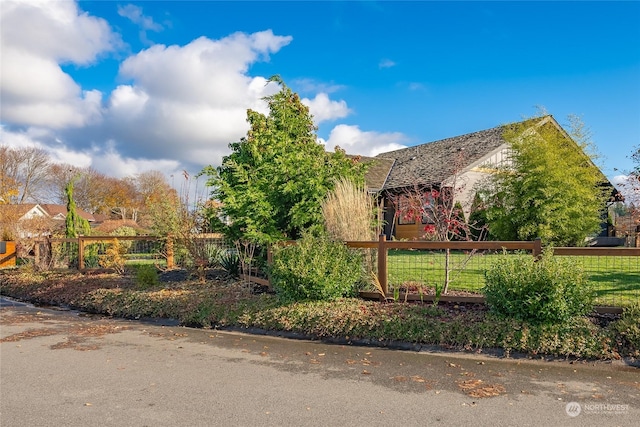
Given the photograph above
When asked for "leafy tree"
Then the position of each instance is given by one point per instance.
(437, 209)
(549, 187)
(272, 184)
(174, 218)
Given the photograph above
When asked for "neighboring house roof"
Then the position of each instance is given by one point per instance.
(59, 212)
(434, 162)
(21, 211)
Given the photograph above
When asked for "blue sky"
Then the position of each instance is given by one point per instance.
(126, 87)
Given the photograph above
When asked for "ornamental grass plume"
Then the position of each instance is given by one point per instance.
(349, 212)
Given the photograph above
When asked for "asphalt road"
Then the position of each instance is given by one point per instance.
(61, 368)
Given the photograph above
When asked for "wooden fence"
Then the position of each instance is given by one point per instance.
(43, 248)
(382, 248)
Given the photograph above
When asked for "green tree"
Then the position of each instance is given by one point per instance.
(273, 183)
(74, 224)
(549, 187)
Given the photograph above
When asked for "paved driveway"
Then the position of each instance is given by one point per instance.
(60, 368)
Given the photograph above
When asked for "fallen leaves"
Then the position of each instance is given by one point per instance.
(30, 333)
(478, 389)
(77, 335)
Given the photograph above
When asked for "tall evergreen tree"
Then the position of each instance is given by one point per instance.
(272, 184)
(74, 224)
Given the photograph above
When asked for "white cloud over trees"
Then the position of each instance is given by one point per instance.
(175, 107)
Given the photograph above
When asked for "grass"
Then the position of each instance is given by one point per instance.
(616, 279)
(228, 303)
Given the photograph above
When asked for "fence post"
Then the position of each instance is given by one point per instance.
(537, 248)
(382, 263)
(80, 253)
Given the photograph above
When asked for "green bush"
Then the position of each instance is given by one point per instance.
(126, 231)
(146, 276)
(550, 290)
(230, 262)
(626, 331)
(316, 268)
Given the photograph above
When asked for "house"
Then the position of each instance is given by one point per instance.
(23, 220)
(32, 219)
(59, 213)
(452, 166)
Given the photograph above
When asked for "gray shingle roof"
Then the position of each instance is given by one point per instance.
(433, 162)
(377, 172)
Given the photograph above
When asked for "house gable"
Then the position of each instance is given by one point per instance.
(36, 211)
(15, 213)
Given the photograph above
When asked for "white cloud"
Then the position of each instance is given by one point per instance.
(386, 63)
(189, 102)
(55, 30)
(36, 37)
(177, 107)
(108, 159)
(620, 179)
(366, 143)
(134, 14)
(416, 86)
(103, 157)
(145, 23)
(322, 108)
(309, 85)
(44, 139)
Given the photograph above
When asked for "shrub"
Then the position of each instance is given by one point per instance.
(230, 262)
(549, 290)
(125, 230)
(316, 268)
(114, 256)
(146, 276)
(626, 331)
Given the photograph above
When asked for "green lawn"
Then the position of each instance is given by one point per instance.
(616, 279)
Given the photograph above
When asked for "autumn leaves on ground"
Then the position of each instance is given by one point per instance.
(225, 303)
